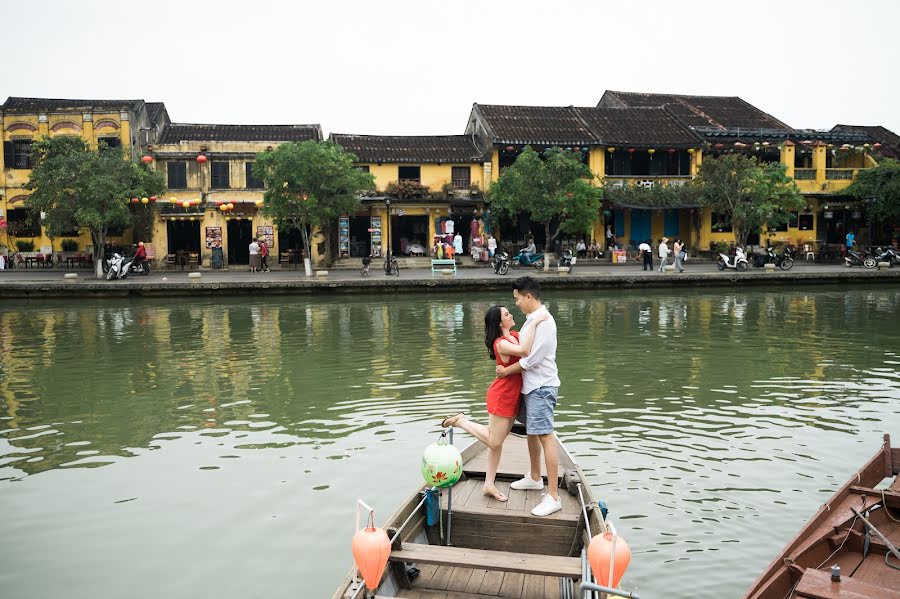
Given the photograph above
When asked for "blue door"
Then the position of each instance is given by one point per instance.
(640, 226)
(670, 224)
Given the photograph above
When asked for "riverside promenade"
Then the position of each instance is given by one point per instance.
(36, 283)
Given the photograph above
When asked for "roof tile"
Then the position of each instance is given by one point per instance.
(411, 148)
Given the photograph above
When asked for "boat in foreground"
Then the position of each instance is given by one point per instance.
(477, 547)
(849, 549)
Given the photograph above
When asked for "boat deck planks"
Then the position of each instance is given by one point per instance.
(514, 462)
(482, 583)
(497, 561)
(468, 499)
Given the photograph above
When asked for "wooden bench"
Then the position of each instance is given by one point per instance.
(498, 561)
(438, 263)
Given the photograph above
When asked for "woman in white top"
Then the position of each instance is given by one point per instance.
(254, 256)
(663, 253)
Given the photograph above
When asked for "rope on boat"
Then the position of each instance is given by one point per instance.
(891, 549)
(885, 507)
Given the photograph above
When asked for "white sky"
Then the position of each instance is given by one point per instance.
(416, 67)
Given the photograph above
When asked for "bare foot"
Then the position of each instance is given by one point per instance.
(492, 491)
(452, 420)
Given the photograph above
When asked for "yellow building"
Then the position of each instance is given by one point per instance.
(213, 200)
(118, 123)
(421, 183)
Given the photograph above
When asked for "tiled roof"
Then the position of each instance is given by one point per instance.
(641, 127)
(155, 110)
(14, 104)
(875, 132)
(177, 132)
(699, 111)
(542, 125)
(411, 148)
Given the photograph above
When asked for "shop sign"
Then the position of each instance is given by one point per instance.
(213, 237)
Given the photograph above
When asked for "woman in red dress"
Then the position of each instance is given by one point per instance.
(503, 395)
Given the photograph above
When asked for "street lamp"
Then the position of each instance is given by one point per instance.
(387, 229)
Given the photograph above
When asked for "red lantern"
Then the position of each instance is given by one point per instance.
(219, 203)
(134, 200)
(146, 159)
(152, 199)
(631, 150)
(671, 150)
(202, 159)
(876, 145)
(510, 148)
(719, 146)
(608, 555)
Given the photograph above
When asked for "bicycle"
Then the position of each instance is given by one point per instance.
(391, 266)
(366, 266)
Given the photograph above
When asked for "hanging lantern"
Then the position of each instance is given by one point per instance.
(145, 200)
(305, 196)
(191, 218)
(219, 203)
(258, 203)
(577, 148)
(186, 204)
(876, 145)
(152, 199)
(510, 148)
(146, 159)
(756, 146)
(230, 206)
(765, 144)
(631, 150)
(180, 218)
(739, 145)
(441, 464)
(223, 207)
(691, 150)
(719, 146)
(651, 151)
(371, 550)
(609, 555)
(845, 148)
(173, 200)
(195, 202)
(866, 147)
(671, 151)
(202, 159)
(610, 149)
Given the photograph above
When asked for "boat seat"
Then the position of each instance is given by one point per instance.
(816, 584)
(500, 561)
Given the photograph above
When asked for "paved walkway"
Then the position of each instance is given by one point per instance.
(35, 283)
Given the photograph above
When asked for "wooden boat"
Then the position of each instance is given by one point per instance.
(495, 548)
(858, 530)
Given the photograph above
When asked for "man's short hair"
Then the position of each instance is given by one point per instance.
(528, 285)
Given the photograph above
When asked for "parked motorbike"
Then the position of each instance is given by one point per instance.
(855, 258)
(119, 267)
(784, 261)
(525, 259)
(567, 259)
(888, 254)
(739, 263)
(501, 263)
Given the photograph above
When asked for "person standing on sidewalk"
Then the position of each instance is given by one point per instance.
(647, 255)
(263, 255)
(540, 389)
(663, 253)
(678, 252)
(254, 256)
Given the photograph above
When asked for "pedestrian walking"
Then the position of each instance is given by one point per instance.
(254, 256)
(679, 254)
(647, 255)
(663, 253)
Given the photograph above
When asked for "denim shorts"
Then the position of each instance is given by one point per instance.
(536, 410)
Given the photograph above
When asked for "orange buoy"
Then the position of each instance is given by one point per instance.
(371, 549)
(608, 552)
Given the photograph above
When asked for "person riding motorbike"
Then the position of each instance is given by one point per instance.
(530, 250)
(140, 255)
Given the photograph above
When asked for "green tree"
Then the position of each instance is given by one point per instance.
(309, 184)
(73, 186)
(880, 187)
(556, 188)
(748, 193)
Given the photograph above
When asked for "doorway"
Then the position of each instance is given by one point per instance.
(183, 236)
(240, 233)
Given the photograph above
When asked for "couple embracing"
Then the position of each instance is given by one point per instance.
(526, 389)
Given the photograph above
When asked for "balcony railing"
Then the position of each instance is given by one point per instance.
(805, 174)
(647, 181)
(461, 183)
(840, 174)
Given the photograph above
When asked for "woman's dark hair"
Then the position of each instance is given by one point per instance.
(492, 328)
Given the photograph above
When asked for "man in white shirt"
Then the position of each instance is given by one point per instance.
(540, 389)
(663, 253)
(647, 255)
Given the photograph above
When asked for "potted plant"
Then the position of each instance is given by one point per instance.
(25, 246)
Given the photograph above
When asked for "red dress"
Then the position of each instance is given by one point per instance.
(503, 394)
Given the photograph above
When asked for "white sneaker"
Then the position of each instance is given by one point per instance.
(526, 482)
(547, 506)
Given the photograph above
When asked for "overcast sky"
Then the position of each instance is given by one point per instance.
(416, 67)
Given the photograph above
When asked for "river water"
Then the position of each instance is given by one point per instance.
(210, 448)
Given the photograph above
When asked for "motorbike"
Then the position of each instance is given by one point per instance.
(784, 261)
(501, 263)
(740, 263)
(888, 254)
(855, 258)
(525, 259)
(119, 267)
(567, 259)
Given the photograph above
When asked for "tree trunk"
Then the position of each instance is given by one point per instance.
(548, 244)
(307, 264)
(99, 239)
(327, 227)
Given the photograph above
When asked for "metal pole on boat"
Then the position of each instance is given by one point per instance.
(449, 500)
(883, 538)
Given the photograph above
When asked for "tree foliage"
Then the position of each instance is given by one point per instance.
(309, 184)
(658, 196)
(748, 193)
(73, 186)
(880, 187)
(553, 188)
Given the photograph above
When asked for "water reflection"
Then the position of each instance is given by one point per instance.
(713, 424)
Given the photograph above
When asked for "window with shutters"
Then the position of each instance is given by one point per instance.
(461, 177)
(176, 175)
(253, 182)
(220, 175)
(17, 153)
